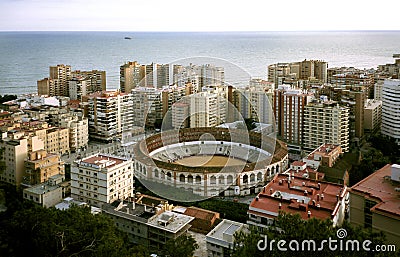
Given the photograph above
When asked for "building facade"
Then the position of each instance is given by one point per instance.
(110, 113)
(390, 109)
(325, 122)
(288, 109)
(40, 166)
(220, 241)
(372, 116)
(100, 179)
(293, 194)
(374, 202)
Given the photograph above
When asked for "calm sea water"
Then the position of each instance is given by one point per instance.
(25, 57)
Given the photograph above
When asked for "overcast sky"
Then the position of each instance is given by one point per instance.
(200, 15)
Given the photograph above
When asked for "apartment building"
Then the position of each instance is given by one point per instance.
(372, 116)
(46, 194)
(299, 195)
(353, 77)
(131, 75)
(206, 75)
(353, 97)
(374, 202)
(96, 79)
(148, 221)
(180, 115)
(325, 122)
(207, 109)
(147, 106)
(255, 101)
(63, 81)
(288, 106)
(16, 147)
(100, 179)
(78, 87)
(40, 166)
(390, 109)
(292, 73)
(110, 113)
(78, 130)
(220, 241)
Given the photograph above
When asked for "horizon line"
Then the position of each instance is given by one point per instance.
(210, 31)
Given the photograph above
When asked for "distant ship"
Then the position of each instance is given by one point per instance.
(127, 38)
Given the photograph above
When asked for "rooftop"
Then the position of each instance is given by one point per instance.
(372, 104)
(381, 188)
(200, 213)
(323, 150)
(299, 196)
(170, 221)
(41, 188)
(223, 233)
(101, 161)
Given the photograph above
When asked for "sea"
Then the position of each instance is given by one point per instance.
(25, 57)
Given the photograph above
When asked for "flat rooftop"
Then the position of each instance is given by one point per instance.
(41, 188)
(170, 221)
(224, 231)
(101, 161)
(380, 188)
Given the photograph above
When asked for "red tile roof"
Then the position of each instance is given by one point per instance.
(109, 161)
(312, 192)
(379, 187)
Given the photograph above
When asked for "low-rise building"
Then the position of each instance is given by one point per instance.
(101, 178)
(291, 194)
(220, 240)
(46, 194)
(204, 220)
(148, 225)
(325, 155)
(375, 202)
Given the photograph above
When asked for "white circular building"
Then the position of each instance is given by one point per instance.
(208, 162)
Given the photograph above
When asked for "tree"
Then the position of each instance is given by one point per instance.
(292, 229)
(38, 231)
(183, 246)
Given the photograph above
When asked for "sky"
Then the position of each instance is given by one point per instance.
(200, 15)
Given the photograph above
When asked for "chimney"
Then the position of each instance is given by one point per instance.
(305, 192)
(322, 197)
(270, 191)
(257, 197)
(319, 185)
(337, 197)
(317, 197)
(309, 214)
(318, 206)
(313, 202)
(280, 206)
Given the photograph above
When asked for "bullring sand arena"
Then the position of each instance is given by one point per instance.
(209, 161)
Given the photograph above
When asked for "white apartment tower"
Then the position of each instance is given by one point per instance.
(207, 109)
(391, 109)
(325, 122)
(110, 114)
(100, 179)
(255, 101)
